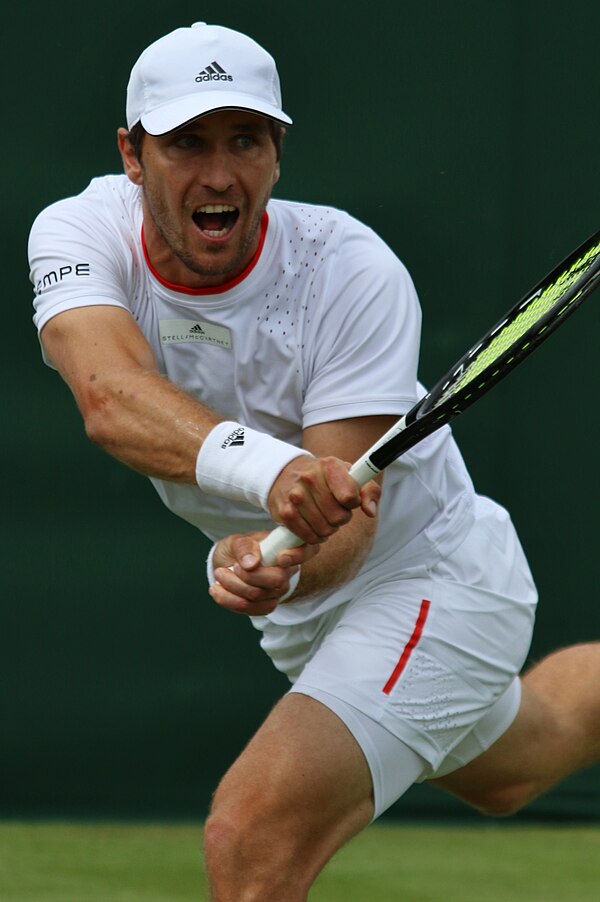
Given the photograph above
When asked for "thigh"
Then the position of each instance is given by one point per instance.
(554, 734)
(512, 764)
(301, 785)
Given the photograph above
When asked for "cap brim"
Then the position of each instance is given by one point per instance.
(172, 115)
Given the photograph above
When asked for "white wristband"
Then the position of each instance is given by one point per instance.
(210, 570)
(241, 464)
(210, 575)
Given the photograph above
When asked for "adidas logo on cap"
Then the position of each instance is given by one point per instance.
(214, 72)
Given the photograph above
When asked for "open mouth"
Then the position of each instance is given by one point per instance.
(215, 220)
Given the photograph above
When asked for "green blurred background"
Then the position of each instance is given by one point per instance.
(467, 134)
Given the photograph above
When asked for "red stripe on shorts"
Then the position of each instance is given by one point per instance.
(408, 648)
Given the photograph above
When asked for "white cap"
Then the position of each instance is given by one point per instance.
(194, 71)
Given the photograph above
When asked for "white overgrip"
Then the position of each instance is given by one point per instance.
(277, 541)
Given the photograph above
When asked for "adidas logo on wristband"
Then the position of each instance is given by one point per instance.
(237, 437)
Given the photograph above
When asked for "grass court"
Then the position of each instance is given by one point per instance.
(87, 862)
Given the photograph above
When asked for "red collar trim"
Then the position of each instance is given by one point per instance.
(215, 289)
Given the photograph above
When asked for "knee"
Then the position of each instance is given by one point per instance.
(229, 836)
(221, 838)
(243, 861)
(504, 801)
(229, 862)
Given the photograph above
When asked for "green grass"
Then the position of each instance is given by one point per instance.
(42, 862)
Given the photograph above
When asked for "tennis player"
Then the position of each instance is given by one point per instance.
(239, 350)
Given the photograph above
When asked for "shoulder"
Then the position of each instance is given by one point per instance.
(86, 249)
(314, 219)
(108, 201)
(335, 232)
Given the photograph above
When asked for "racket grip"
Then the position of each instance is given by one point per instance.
(278, 540)
(363, 470)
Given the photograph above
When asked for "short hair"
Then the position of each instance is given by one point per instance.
(137, 132)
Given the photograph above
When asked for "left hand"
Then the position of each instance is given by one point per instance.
(243, 584)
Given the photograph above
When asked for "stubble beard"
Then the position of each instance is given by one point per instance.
(172, 238)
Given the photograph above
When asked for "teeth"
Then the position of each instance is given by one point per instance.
(216, 208)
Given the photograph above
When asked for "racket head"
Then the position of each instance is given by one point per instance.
(530, 322)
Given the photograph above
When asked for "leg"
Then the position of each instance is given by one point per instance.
(556, 732)
(299, 791)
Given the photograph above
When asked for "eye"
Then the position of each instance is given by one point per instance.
(246, 142)
(187, 141)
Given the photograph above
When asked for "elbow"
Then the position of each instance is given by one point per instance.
(97, 428)
(98, 422)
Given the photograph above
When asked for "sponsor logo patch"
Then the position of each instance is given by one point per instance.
(178, 331)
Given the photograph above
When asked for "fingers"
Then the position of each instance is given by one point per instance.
(245, 550)
(320, 499)
(254, 592)
(296, 556)
(243, 585)
(370, 495)
(238, 549)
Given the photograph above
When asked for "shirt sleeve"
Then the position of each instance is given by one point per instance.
(364, 349)
(75, 260)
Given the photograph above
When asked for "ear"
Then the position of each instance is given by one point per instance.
(131, 164)
(276, 173)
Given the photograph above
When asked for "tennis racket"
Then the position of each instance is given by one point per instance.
(497, 353)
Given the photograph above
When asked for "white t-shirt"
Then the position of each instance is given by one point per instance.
(324, 325)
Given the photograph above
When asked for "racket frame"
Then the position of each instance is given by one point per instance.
(427, 416)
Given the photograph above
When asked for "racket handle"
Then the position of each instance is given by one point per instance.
(278, 540)
(281, 538)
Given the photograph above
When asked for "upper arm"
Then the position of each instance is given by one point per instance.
(347, 439)
(362, 342)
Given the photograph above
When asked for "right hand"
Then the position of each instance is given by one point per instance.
(314, 496)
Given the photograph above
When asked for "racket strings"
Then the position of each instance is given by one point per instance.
(511, 332)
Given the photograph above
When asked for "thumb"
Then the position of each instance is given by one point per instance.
(247, 552)
(369, 498)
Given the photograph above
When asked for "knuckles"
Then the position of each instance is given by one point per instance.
(308, 478)
(340, 518)
(288, 514)
(253, 593)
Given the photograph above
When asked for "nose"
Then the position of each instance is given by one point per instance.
(217, 172)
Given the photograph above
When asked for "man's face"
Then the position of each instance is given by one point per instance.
(205, 190)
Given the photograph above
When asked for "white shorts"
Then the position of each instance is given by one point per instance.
(423, 670)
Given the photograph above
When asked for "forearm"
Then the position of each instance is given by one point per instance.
(153, 426)
(339, 560)
(147, 423)
(128, 407)
(150, 424)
